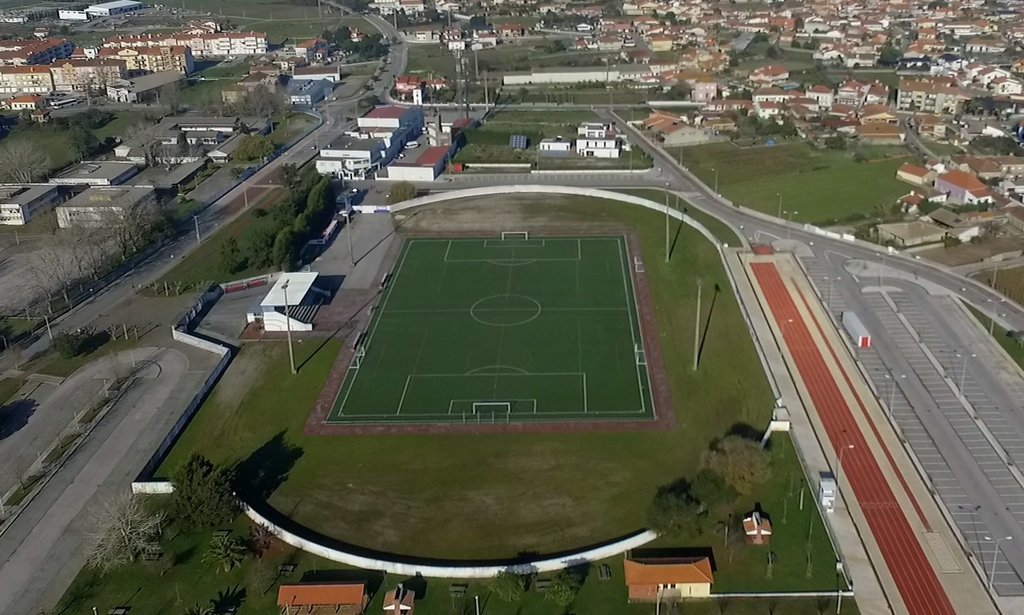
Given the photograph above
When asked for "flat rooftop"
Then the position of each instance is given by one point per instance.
(85, 171)
(109, 196)
(298, 284)
(20, 195)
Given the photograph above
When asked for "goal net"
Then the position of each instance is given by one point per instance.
(641, 356)
(357, 358)
(492, 407)
(515, 235)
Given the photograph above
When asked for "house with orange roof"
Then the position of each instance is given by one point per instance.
(915, 175)
(322, 597)
(28, 102)
(963, 188)
(769, 75)
(652, 579)
(400, 601)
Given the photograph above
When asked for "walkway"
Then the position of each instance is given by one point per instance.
(915, 579)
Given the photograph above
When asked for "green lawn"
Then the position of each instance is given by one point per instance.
(581, 488)
(719, 229)
(468, 321)
(8, 387)
(431, 60)
(1012, 348)
(167, 588)
(203, 265)
(290, 126)
(821, 187)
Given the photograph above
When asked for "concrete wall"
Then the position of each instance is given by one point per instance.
(453, 571)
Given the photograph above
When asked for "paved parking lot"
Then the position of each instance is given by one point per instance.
(925, 351)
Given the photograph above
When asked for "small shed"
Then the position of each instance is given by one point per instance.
(757, 528)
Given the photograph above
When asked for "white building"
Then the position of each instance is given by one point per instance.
(425, 167)
(110, 9)
(392, 117)
(607, 147)
(291, 303)
(72, 15)
(555, 146)
(19, 204)
(351, 158)
(98, 206)
(96, 173)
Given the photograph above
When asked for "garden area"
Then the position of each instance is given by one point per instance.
(822, 187)
(489, 143)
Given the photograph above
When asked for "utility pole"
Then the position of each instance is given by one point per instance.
(348, 231)
(696, 327)
(487, 101)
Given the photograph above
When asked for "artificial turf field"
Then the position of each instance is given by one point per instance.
(520, 329)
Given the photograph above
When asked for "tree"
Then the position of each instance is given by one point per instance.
(563, 588)
(261, 101)
(401, 191)
(231, 259)
(83, 142)
(203, 496)
(199, 609)
(254, 147)
(225, 552)
(22, 162)
(675, 512)
(368, 102)
(70, 344)
(711, 490)
(741, 463)
(835, 142)
(285, 249)
(143, 137)
(123, 532)
(289, 174)
(508, 586)
(889, 55)
(170, 95)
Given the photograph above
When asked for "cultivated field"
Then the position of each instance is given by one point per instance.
(820, 187)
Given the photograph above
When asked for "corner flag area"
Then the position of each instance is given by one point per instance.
(510, 329)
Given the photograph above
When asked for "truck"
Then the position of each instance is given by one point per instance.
(856, 330)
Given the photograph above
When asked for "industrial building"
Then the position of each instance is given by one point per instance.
(110, 9)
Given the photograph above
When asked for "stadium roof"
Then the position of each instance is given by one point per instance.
(298, 284)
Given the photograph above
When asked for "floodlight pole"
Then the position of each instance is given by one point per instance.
(288, 328)
(199, 239)
(666, 223)
(348, 232)
(696, 328)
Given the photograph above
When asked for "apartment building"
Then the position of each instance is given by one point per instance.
(25, 80)
(25, 52)
(931, 96)
(143, 60)
(201, 43)
(86, 75)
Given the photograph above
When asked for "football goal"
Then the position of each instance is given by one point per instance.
(641, 356)
(492, 407)
(357, 358)
(515, 235)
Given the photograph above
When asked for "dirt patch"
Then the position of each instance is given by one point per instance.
(247, 367)
(968, 253)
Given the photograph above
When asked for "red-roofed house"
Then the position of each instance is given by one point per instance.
(649, 579)
(913, 174)
(28, 102)
(311, 597)
(963, 188)
(769, 75)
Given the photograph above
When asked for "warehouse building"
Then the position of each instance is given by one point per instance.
(110, 9)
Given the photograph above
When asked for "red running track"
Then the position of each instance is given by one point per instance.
(915, 579)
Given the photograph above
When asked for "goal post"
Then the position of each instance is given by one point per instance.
(492, 407)
(357, 357)
(641, 356)
(506, 235)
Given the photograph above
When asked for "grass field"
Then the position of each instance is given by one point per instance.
(252, 587)
(385, 493)
(1001, 335)
(722, 231)
(463, 334)
(820, 187)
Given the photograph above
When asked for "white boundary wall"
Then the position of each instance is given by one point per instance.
(571, 190)
(454, 571)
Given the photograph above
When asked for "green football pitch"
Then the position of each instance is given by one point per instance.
(502, 330)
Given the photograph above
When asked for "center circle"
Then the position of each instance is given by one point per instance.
(505, 310)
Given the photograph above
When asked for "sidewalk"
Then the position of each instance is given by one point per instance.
(851, 552)
(936, 539)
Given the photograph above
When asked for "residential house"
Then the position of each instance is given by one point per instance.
(941, 96)
(955, 225)
(312, 50)
(772, 74)
(881, 134)
(25, 102)
(652, 579)
(823, 96)
(963, 188)
(331, 73)
(908, 234)
(915, 175)
(308, 92)
(22, 52)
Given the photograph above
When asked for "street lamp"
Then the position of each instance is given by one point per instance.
(995, 558)
(892, 390)
(666, 222)
(779, 194)
(288, 327)
(963, 368)
(716, 178)
(789, 216)
(839, 464)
